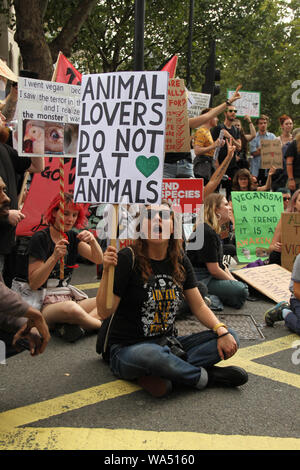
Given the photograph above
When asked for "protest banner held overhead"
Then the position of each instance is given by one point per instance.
(197, 102)
(48, 118)
(271, 153)
(177, 128)
(121, 138)
(65, 72)
(248, 104)
(256, 214)
(37, 199)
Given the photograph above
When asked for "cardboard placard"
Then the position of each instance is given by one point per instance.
(256, 215)
(271, 280)
(184, 192)
(248, 104)
(121, 138)
(290, 237)
(177, 128)
(48, 118)
(271, 153)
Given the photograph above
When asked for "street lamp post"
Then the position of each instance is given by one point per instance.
(139, 18)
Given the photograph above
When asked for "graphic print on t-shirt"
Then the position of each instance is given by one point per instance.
(159, 310)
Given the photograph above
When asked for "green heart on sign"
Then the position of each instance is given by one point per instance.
(147, 166)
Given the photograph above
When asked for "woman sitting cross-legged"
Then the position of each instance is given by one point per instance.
(208, 260)
(149, 281)
(66, 309)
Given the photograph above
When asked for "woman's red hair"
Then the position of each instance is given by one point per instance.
(283, 118)
(50, 215)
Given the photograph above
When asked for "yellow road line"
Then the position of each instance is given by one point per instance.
(73, 401)
(245, 358)
(128, 439)
(266, 348)
(12, 437)
(91, 285)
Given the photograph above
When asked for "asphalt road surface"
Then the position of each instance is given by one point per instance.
(67, 398)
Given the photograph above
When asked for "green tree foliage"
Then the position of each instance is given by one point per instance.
(257, 41)
(270, 62)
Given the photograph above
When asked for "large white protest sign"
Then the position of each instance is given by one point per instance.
(48, 118)
(121, 137)
(248, 104)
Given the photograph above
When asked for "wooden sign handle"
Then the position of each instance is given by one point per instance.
(20, 200)
(111, 272)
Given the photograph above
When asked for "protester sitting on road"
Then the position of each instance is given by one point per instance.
(208, 261)
(17, 317)
(286, 196)
(288, 311)
(244, 181)
(149, 280)
(65, 308)
(276, 245)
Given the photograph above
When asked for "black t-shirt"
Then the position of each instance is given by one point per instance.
(146, 309)
(291, 151)
(215, 132)
(211, 251)
(42, 246)
(11, 165)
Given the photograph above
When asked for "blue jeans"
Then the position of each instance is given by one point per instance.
(292, 320)
(255, 165)
(148, 358)
(180, 169)
(231, 293)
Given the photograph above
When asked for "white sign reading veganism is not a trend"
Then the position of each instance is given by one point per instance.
(121, 138)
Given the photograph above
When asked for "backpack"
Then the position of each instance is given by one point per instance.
(103, 333)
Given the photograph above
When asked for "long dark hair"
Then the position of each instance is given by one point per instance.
(175, 254)
(235, 182)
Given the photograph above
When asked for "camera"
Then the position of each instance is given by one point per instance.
(175, 346)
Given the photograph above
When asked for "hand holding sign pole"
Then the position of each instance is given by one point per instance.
(111, 272)
(61, 209)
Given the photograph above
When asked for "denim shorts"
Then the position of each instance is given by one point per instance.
(179, 169)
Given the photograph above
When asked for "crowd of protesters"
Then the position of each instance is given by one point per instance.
(155, 274)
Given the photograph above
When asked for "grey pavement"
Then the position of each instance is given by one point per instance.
(264, 407)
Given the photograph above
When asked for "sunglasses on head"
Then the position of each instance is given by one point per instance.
(163, 214)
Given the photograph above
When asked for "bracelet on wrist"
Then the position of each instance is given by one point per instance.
(218, 325)
(289, 179)
(224, 334)
(229, 103)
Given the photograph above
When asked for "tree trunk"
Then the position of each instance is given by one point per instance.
(65, 39)
(31, 38)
